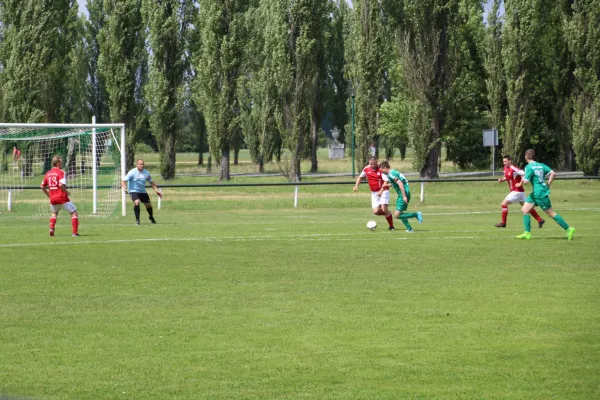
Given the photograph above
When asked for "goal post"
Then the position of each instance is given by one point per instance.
(94, 161)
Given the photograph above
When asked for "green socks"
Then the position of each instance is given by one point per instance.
(559, 220)
(527, 222)
(405, 221)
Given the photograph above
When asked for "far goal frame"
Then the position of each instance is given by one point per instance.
(92, 126)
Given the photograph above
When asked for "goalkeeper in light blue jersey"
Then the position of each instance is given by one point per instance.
(134, 183)
(400, 184)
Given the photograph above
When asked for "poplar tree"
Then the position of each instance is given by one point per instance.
(583, 35)
(122, 66)
(169, 24)
(366, 56)
(38, 38)
(424, 47)
(223, 33)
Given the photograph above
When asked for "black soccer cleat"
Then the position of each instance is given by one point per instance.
(152, 220)
(500, 225)
(541, 223)
(391, 228)
(137, 221)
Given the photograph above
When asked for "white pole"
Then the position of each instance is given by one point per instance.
(493, 160)
(422, 191)
(123, 172)
(296, 197)
(94, 172)
(9, 199)
(159, 201)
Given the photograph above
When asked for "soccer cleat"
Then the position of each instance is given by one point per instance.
(524, 235)
(75, 234)
(410, 231)
(570, 233)
(137, 221)
(152, 220)
(541, 223)
(51, 232)
(420, 217)
(500, 225)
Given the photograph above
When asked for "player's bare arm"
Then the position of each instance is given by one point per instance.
(124, 186)
(155, 187)
(551, 177)
(355, 188)
(401, 186)
(46, 191)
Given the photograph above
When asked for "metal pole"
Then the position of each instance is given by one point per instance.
(123, 172)
(353, 163)
(94, 172)
(422, 191)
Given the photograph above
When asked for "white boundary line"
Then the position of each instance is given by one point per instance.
(309, 237)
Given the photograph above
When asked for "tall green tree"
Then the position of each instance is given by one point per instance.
(96, 86)
(367, 57)
(222, 24)
(537, 69)
(320, 25)
(424, 47)
(583, 36)
(466, 96)
(261, 81)
(122, 66)
(336, 87)
(169, 24)
(38, 38)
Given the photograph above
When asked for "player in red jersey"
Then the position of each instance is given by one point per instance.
(54, 186)
(380, 194)
(513, 176)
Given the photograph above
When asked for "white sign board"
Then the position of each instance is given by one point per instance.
(490, 137)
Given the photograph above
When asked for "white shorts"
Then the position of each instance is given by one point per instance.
(377, 200)
(515, 197)
(68, 207)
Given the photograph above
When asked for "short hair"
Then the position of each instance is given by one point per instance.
(56, 160)
(372, 158)
(530, 154)
(139, 160)
(507, 157)
(384, 164)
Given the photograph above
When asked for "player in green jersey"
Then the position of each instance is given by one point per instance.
(400, 183)
(536, 173)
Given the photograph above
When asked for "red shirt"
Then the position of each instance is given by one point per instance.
(513, 175)
(373, 177)
(52, 181)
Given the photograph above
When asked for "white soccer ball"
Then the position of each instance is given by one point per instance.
(372, 225)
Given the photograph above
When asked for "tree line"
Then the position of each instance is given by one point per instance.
(222, 75)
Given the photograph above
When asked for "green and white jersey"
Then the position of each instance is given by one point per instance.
(535, 173)
(396, 178)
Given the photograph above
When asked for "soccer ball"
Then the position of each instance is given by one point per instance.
(372, 225)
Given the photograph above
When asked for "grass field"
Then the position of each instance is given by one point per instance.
(235, 294)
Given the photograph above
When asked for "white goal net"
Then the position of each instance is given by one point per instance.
(92, 161)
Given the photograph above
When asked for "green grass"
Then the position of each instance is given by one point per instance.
(235, 294)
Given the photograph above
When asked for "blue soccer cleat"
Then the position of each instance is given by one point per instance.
(420, 217)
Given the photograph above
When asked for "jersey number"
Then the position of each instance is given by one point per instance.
(540, 175)
(52, 182)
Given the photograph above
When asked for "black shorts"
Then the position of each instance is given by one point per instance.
(143, 197)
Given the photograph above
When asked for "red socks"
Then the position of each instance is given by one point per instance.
(52, 222)
(535, 215)
(74, 224)
(504, 214)
(390, 220)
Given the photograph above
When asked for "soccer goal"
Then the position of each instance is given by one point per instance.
(93, 160)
